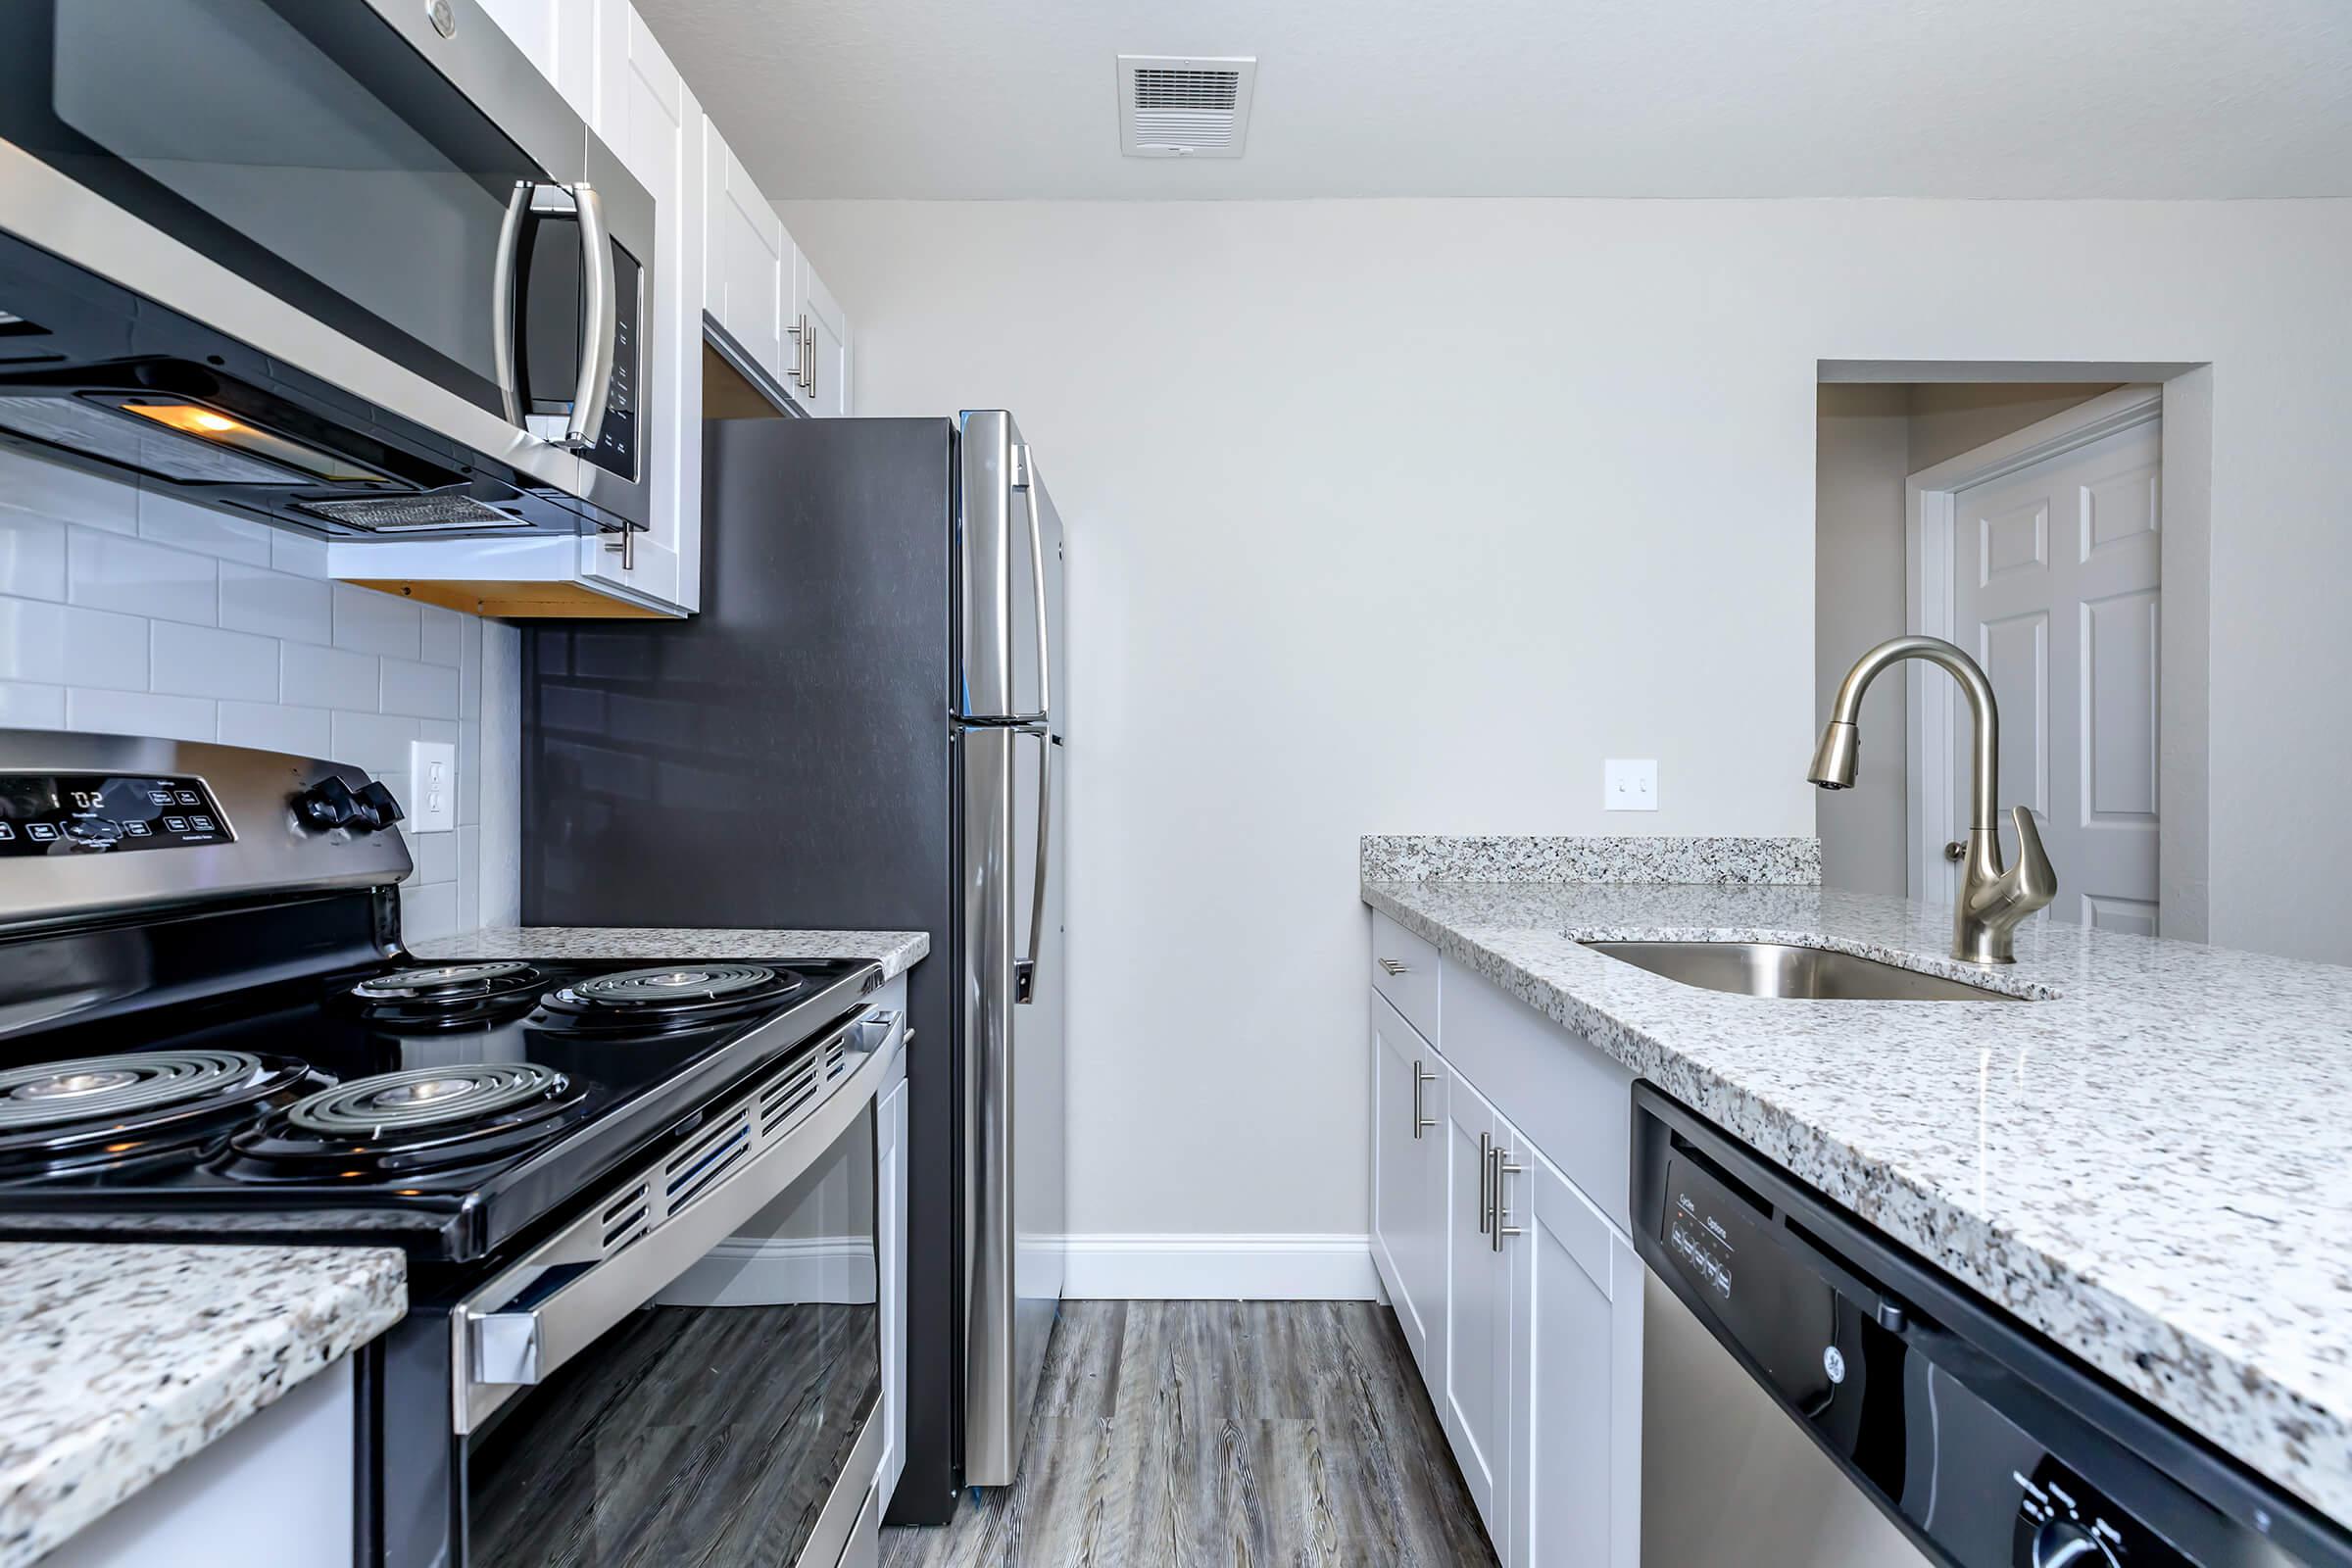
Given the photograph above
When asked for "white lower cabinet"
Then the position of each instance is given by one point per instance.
(1576, 1377)
(1408, 1182)
(1518, 1292)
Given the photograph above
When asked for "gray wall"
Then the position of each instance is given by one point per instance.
(1870, 438)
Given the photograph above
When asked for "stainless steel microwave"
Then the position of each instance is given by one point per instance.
(353, 267)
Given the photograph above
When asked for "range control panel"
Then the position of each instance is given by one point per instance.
(85, 814)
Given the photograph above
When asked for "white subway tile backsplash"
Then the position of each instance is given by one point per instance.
(106, 649)
(428, 691)
(428, 910)
(32, 555)
(469, 670)
(370, 622)
(326, 677)
(169, 519)
(298, 553)
(436, 853)
(179, 718)
(206, 661)
(26, 706)
(443, 640)
(141, 578)
(276, 604)
(32, 640)
(470, 774)
(376, 742)
(303, 731)
(68, 495)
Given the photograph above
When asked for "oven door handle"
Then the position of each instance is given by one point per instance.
(561, 1299)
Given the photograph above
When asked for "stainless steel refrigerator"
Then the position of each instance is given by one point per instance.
(863, 729)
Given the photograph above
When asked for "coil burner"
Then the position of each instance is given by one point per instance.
(136, 1107)
(449, 995)
(423, 1117)
(672, 996)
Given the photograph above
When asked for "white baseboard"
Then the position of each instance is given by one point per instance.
(777, 1271)
(1260, 1267)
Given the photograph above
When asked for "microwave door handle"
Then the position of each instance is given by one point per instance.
(599, 321)
(1024, 985)
(502, 300)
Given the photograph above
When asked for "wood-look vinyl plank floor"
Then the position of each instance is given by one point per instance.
(1220, 1435)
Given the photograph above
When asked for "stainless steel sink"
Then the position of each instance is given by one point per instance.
(1783, 970)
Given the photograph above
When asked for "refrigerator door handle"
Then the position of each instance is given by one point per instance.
(1024, 971)
(1024, 479)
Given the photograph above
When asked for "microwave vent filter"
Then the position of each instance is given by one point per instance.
(1175, 106)
(425, 513)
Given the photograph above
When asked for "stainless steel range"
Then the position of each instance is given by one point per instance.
(209, 1030)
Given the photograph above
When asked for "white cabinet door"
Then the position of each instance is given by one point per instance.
(820, 331)
(647, 116)
(1476, 1390)
(890, 1242)
(1408, 1183)
(747, 258)
(559, 38)
(1576, 1376)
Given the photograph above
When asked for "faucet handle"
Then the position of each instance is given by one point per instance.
(2033, 877)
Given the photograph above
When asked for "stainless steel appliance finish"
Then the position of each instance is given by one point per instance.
(1015, 1207)
(1787, 969)
(259, 793)
(1993, 901)
(392, 321)
(888, 596)
(1814, 1394)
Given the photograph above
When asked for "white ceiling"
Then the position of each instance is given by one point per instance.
(1956, 98)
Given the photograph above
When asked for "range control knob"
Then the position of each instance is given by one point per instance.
(327, 803)
(2063, 1543)
(377, 808)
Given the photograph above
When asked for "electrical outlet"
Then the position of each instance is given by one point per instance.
(432, 787)
(1629, 784)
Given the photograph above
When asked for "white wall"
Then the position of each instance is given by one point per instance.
(1401, 516)
(131, 611)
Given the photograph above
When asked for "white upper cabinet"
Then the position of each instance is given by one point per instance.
(819, 334)
(645, 114)
(747, 258)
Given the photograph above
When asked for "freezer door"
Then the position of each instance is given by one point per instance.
(1009, 558)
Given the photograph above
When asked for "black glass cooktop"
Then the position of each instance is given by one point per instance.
(439, 1106)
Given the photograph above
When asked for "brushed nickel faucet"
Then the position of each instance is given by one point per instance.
(1992, 900)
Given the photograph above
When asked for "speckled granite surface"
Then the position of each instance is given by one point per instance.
(124, 1360)
(897, 950)
(1527, 858)
(2154, 1166)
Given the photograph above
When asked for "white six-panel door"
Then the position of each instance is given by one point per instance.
(2056, 590)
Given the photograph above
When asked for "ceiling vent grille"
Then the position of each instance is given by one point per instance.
(1171, 106)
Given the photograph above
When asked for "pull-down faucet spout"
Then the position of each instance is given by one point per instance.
(1993, 901)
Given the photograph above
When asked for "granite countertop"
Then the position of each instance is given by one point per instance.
(897, 950)
(125, 1359)
(2153, 1164)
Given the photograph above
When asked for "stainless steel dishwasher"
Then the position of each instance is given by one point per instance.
(1815, 1396)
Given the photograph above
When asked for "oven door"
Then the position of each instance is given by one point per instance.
(278, 245)
(705, 1388)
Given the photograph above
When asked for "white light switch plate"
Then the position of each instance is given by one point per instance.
(432, 801)
(1629, 784)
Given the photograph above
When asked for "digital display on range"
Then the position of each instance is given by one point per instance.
(111, 814)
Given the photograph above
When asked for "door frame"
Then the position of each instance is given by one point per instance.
(1930, 507)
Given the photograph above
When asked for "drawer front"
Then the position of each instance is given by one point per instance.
(1566, 1097)
(1405, 970)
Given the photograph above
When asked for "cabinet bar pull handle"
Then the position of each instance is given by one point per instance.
(1485, 1184)
(1393, 967)
(1504, 1165)
(1421, 1123)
